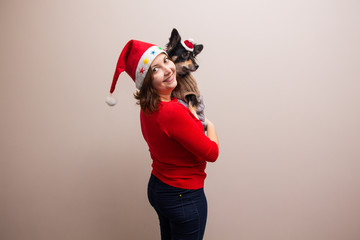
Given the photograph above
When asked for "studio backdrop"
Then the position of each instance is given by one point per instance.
(281, 83)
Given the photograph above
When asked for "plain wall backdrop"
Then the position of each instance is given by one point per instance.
(281, 82)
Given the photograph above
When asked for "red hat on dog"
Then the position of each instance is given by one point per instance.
(135, 59)
(188, 44)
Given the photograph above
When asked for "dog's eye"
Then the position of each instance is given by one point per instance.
(185, 55)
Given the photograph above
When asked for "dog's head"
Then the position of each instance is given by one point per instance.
(183, 58)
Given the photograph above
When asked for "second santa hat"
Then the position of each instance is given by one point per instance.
(135, 59)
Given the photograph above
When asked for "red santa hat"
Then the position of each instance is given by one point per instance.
(135, 59)
(188, 44)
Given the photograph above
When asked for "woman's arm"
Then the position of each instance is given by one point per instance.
(211, 131)
(179, 124)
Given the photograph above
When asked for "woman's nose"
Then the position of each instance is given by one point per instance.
(168, 70)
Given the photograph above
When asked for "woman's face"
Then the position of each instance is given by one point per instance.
(163, 75)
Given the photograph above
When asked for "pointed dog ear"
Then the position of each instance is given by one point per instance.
(198, 48)
(173, 40)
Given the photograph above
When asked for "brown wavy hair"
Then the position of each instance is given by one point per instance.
(147, 97)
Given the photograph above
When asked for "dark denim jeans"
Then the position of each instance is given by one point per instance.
(182, 212)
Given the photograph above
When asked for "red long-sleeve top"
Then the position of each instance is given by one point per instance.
(178, 146)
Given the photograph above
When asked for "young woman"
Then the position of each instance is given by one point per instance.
(178, 146)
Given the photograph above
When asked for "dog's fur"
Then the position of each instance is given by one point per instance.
(185, 63)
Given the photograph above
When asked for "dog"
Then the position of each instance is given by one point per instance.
(183, 54)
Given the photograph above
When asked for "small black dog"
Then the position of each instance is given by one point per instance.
(183, 54)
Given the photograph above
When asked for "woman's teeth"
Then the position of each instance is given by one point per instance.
(169, 79)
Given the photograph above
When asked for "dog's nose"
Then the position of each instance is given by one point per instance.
(196, 66)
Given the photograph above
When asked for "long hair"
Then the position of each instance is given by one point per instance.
(147, 97)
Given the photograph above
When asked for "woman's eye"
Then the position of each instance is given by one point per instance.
(166, 59)
(155, 69)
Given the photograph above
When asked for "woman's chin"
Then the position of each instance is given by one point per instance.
(173, 83)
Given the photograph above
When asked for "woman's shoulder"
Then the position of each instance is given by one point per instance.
(173, 105)
(172, 109)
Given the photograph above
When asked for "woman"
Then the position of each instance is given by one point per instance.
(177, 143)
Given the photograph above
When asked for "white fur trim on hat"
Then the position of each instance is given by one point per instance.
(186, 47)
(144, 64)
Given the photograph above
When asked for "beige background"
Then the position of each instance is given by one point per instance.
(281, 82)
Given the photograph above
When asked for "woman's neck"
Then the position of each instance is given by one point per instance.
(165, 98)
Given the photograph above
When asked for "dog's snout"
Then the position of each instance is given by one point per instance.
(189, 66)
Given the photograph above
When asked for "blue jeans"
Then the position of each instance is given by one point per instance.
(182, 212)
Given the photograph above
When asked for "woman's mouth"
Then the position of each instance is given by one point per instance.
(170, 79)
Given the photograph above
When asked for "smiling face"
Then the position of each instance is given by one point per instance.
(164, 76)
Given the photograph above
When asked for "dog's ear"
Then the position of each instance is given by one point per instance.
(198, 48)
(173, 40)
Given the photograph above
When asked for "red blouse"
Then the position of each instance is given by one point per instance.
(178, 146)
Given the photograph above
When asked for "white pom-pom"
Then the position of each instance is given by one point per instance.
(110, 100)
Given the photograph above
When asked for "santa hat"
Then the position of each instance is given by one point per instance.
(188, 44)
(135, 59)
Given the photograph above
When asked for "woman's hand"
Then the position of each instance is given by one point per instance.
(211, 131)
(208, 122)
